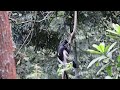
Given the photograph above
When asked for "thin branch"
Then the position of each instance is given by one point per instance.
(46, 17)
(74, 28)
(30, 38)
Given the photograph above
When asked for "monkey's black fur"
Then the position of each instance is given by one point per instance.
(74, 64)
(61, 48)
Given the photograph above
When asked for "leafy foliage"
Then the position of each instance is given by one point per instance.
(61, 69)
(50, 27)
(106, 55)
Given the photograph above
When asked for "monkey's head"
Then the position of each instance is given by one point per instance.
(65, 41)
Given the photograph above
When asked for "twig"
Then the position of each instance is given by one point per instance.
(33, 20)
(23, 43)
(28, 35)
(32, 29)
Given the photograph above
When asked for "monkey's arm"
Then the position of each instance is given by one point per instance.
(65, 58)
(66, 55)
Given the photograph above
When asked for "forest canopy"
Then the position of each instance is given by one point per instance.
(37, 34)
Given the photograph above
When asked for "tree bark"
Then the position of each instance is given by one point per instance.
(7, 62)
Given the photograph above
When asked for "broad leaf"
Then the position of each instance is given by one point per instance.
(113, 36)
(106, 48)
(114, 26)
(97, 47)
(111, 46)
(113, 32)
(102, 46)
(93, 51)
(110, 53)
(95, 60)
(118, 58)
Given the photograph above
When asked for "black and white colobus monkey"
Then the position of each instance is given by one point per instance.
(63, 52)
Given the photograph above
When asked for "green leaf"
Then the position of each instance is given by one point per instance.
(102, 47)
(118, 58)
(117, 28)
(113, 32)
(113, 36)
(111, 46)
(110, 53)
(69, 66)
(95, 60)
(114, 26)
(93, 51)
(97, 47)
(97, 64)
(109, 70)
(106, 48)
(118, 64)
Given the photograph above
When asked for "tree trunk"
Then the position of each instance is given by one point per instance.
(7, 62)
